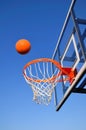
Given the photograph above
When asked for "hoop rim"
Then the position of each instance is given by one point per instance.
(52, 78)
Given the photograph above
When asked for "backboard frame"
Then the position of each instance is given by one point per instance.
(78, 86)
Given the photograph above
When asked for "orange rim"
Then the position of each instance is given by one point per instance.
(52, 79)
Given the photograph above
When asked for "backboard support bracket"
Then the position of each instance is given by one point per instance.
(81, 73)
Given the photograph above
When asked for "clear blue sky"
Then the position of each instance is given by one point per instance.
(40, 22)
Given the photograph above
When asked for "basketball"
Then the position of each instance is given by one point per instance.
(23, 46)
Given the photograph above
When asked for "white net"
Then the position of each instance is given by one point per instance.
(42, 79)
(39, 76)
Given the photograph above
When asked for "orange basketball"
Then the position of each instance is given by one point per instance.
(23, 46)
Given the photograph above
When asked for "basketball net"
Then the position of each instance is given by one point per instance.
(40, 77)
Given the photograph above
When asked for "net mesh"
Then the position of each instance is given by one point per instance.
(43, 83)
(42, 79)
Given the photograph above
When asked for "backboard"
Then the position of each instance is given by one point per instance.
(70, 51)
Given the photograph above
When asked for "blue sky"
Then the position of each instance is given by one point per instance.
(40, 22)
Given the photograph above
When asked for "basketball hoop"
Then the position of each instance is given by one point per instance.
(39, 75)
